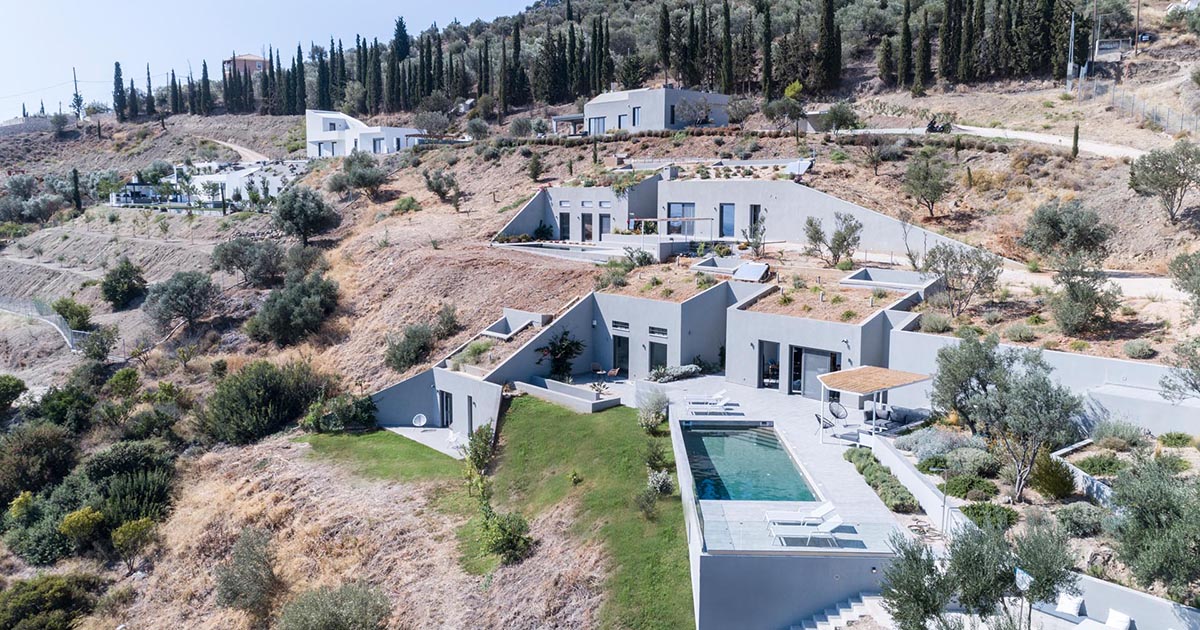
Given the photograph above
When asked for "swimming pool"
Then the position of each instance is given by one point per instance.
(743, 463)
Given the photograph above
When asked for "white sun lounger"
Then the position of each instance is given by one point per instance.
(800, 517)
(704, 400)
(824, 530)
(1117, 620)
(1069, 604)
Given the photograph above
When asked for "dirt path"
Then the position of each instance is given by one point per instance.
(1102, 149)
(248, 155)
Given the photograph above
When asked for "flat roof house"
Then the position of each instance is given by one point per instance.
(334, 134)
(654, 109)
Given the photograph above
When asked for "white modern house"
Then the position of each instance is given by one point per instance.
(334, 134)
(654, 109)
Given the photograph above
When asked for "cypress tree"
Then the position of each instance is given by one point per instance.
(922, 72)
(607, 59)
(965, 71)
(375, 77)
(77, 198)
(828, 59)
(192, 100)
(664, 39)
(173, 98)
(301, 82)
(504, 78)
(885, 61)
(206, 101)
(131, 101)
(767, 70)
(904, 61)
(726, 50)
(707, 53)
(570, 13)
(949, 41)
(118, 92)
(150, 110)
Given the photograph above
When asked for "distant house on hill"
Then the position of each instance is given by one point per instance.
(654, 109)
(244, 63)
(334, 134)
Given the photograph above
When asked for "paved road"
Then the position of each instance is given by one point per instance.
(248, 155)
(1102, 149)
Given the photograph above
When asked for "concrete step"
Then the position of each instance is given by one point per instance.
(842, 613)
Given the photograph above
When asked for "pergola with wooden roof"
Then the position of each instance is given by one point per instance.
(868, 381)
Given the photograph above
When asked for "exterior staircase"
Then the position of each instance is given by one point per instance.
(842, 613)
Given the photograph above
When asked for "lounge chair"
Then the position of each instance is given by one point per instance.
(705, 400)
(597, 370)
(1117, 620)
(808, 532)
(800, 517)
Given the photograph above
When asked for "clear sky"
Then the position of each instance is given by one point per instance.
(40, 40)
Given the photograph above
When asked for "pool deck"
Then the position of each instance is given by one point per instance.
(740, 526)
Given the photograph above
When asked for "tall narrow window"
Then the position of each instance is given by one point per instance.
(637, 116)
(726, 220)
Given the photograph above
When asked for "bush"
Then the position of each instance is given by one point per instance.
(479, 449)
(32, 457)
(656, 455)
(1019, 332)
(935, 323)
(669, 373)
(1101, 465)
(300, 211)
(983, 514)
(971, 461)
(348, 607)
(11, 389)
(127, 457)
(247, 580)
(1081, 519)
(660, 481)
(78, 316)
(69, 406)
(48, 602)
(259, 400)
(340, 413)
(993, 317)
(410, 348)
(132, 538)
(1139, 349)
(441, 183)
(647, 503)
(1173, 463)
(447, 321)
(969, 485)
(1175, 439)
(406, 204)
(136, 495)
(894, 495)
(1052, 478)
(297, 310)
(81, 526)
(188, 295)
(1119, 432)
(506, 535)
(157, 422)
(930, 441)
(934, 464)
(259, 262)
(521, 127)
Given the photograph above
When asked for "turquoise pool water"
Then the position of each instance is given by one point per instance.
(743, 464)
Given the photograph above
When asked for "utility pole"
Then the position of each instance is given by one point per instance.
(1071, 52)
(1137, 29)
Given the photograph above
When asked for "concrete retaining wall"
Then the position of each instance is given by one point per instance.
(577, 399)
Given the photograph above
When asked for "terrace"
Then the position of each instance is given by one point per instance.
(808, 298)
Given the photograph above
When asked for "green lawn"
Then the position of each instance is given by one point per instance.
(650, 586)
(384, 455)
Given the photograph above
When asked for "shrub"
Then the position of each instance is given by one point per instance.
(971, 461)
(48, 602)
(259, 262)
(1139, 349)
(993, 317)
(247, 580)
(81, 526)
(126, 457)
(660, 481)
(934, 464)
(157, 422)
(1173, 463)
(1019, 332)
(656, 455)
(669, 373)
(1081, 519)
(132, 538)
(346, 412)
(894, 495)
(930, 441)
(1127, 434)
(295, 311)
(1175, 439)
(447, 321)
(983, 514)
(441, 183)
(259, 400)
(1101, 465)
(98, 345)
(32, 457)
(969, 484)
(137, 495)
(935, 323)
(188, 295)
(479, 449)
(348, 607)
(1052, 478)
(11, 389)
(78, 316)
(406, 204)
(410, 348)
(521, 127)
(648, 420)
(647, 502)
(300, 211)
(506, 535)
(69, 406)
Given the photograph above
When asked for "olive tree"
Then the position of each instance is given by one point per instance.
(300, 211)
(1184, 270)
(122, 284)
(259, 262)
(187, 295)
(842, 243)
(915, 590)
(1158, 526)
(1168, 175)
(965, 372)
(927, 179)
(1063, 229)
(966, 272)
(1183, 379)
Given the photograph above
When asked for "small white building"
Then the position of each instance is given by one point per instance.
(334, 134)
(655, 109)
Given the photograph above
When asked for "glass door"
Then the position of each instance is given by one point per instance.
(586, 228)
(446, 404)
(680, 211)
(768, 364)
(621, 353)
(726, 220)
(658, 355)
(605, 225)
(564, 226)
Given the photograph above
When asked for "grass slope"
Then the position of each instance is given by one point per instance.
(650, 586)
(385, 455)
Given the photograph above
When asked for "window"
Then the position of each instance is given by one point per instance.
(616, 325)
(658, 355)
(585, 204)
(672, 114)
(605, 204)
(680, 211)
(726, 220)
(564, 204)
(377, 145)
(755, 213)
(446, 407)
(596, 126)
(621, 121)
(564, 226)
(397, 144)
(356, 144)
(333, 126)
(658, 332)
(637, 116)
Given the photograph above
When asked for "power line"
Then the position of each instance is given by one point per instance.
(64, 83)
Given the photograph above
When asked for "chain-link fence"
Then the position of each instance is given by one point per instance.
(40, 310)
(1154, 115)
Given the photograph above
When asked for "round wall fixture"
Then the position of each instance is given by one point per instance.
(419, 420)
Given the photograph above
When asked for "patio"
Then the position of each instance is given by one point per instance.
(741, 525)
